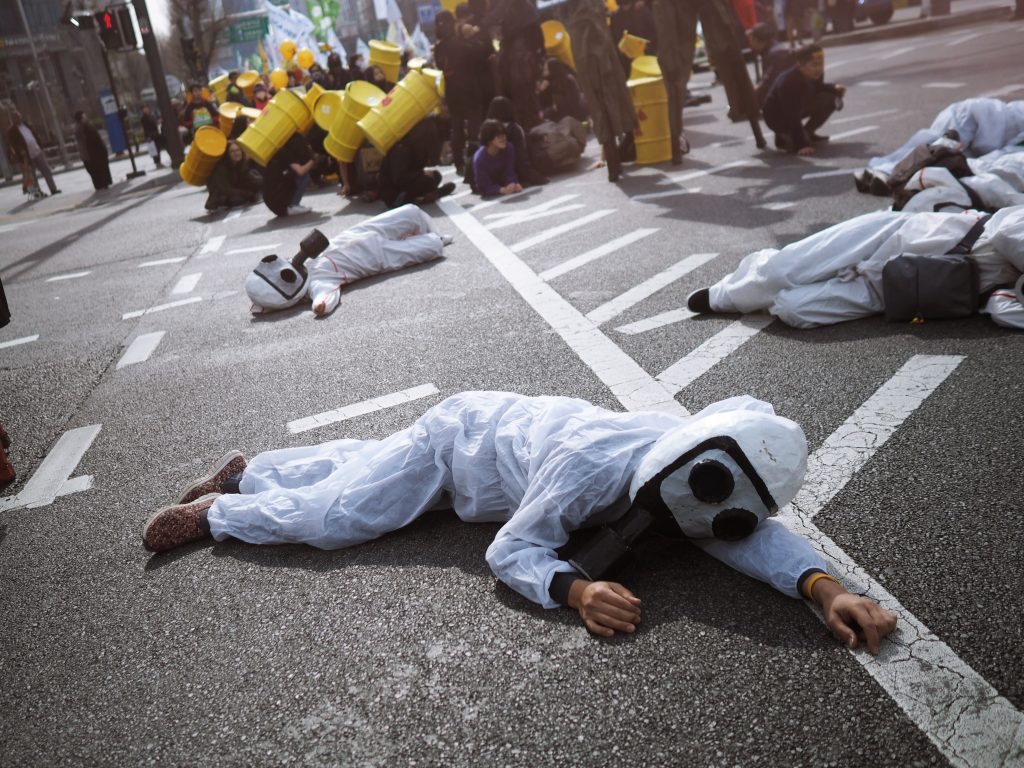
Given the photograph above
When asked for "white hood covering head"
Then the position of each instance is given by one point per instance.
(275, 284)
(721, 475)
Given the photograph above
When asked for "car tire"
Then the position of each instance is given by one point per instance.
(881, 17)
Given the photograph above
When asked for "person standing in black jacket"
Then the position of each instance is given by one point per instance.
(93, 151)
(800, 94)
(461, 53)
(775, 58)
(151, 130)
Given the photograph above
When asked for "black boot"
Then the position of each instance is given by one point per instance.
(611, 158)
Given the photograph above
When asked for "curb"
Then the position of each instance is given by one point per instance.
(916, 26)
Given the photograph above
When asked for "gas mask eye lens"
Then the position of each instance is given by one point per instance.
(288, 275)
(711, 481)
(268, 259)
(734, 524)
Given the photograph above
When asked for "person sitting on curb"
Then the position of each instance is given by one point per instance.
(494, 164)
(801, 94)
(549, 468)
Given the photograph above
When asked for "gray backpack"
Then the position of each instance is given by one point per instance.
(933, 287)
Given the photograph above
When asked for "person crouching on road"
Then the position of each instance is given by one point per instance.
(287, 177)
(233, 181)
(800, 94)
(494, 164)
(403, 176)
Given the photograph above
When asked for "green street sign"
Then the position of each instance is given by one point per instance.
(247, 30)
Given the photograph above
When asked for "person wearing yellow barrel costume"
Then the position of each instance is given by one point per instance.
(233, 181)
(600, 76)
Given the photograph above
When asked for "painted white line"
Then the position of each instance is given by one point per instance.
(10, 227)
(161, 307)
(561, 229)
(631, 384)
(267, 248)
(233, 215)
(680, 375)
(954, 706)
(212, 245)
(69, 276)
(678, 179)
(826, 174)
(657, 321)
(647, 288)
(873, 83)
(140, 349)
(949, 86)
(517, 212)
(498, 200)
(780, 205)
(449, 171)
(670, 193)
(596, 253)
(865, 116)
(1005, 90)
(511, 221)
(52, 475)
(161, 262)
(187, 283)
(897, 52)
(854, 132)
(463, 193)
(965, 38)
(358, 409)
(17, 342)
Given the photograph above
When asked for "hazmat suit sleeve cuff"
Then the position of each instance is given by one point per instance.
(561, 582)
(805, 576)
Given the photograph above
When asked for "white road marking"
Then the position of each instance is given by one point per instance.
(955, 707)
(949, 86)
(631, 384)
(825, 174)
(657, 321)
(647, 288)
(463, 193)
(854, 132)
(1005, 90)
(873, 83)
(496, 200)
(517, 212)
(779, 205)
(680, 375)
(965, 38)
(69, 276)
(358, 409)
(678, 179)
(53, 474)
(10, 227)
(161, 262)
(511, 221)
(897, 52)
(16, 342)
(449, 171)
(233, 215)
(267, 248)
(212, 245)
(561, 229)
(865, 116)
(161, 307)
(140, 349)
(670, 193)
(187, 283)
(596, 253)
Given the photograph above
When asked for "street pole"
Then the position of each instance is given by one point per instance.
(168, 114)
(46, 91)
(120, 115)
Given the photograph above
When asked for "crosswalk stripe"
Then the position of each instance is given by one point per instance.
(511, 221)
(140, 349)
(18, 342)
(596, 253)
(160, 307)
(561, 229)
(681, 374)
(657, 321)
(361, 408)
(647, 288)
(187, 283)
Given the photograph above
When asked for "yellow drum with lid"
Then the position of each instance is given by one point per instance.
(247, 81)
(556, 42)
(438, 77)
(328, 108)
(346, 136)
(652, 132)
(285, 114)
(644, 66)
(206, 150)
(388, 57)
(229, 112)
(312, 94)
(632, 46)
(409, 102)
(250, 112)
(219, 88)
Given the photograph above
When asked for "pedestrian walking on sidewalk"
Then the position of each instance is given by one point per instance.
(27, 151)
(93, 152)
(154, 138)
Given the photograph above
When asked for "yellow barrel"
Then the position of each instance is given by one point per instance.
(228, 114)
(388, 57)
(327, 108)
(312, 94)
(644, 66)
(207, 147)
(556, 42)
(632, 46)
(451, 5)
(438, 77)
(416, 64)
(285, 114)
(412, 100)
(250, 112)
(346, 136)
(652, 134)
(219, 88)
(247, 81)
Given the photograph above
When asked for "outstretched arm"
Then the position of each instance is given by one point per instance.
(851, 618)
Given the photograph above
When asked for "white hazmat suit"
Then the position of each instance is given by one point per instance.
(836, 274)
(543, 466)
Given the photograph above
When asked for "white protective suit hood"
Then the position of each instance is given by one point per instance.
(721, 475)
(275, 284)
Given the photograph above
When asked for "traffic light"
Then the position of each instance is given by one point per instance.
(126, 22)
(117, 28)
(110, 33)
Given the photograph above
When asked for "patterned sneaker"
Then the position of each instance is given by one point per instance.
(173, 526)
(232, 463)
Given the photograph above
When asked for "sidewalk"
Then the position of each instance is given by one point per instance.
(907, 21)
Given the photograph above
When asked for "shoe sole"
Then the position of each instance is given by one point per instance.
(155, 515)
(227, 459)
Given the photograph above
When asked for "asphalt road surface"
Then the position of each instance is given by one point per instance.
(132, 364)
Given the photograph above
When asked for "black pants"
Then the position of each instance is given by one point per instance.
(821, 109)
(465, 125)
(409, 189)
(100, 174)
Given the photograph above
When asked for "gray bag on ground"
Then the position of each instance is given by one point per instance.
(555, 147)
(933, 287)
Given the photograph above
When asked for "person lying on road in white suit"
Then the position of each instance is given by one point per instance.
(390, 241)
(836, 274)
(546, 467)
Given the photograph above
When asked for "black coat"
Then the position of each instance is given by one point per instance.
(90, 146)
